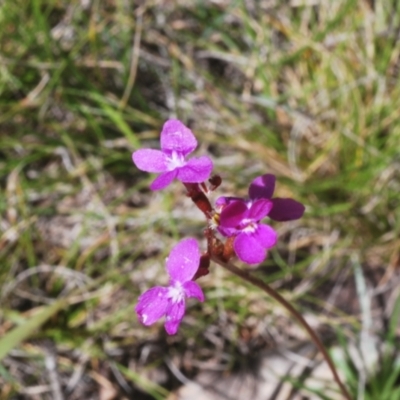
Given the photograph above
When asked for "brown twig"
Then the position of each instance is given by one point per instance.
(275, 295)
(135, 58)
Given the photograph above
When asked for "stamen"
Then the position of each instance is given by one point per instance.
(175, 161)
(249, 226)
(176, 293)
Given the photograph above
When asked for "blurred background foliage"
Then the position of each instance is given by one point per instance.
(305, 89)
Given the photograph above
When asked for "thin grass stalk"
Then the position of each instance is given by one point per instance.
(275, 295)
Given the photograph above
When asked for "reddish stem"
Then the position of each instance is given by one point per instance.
(221, 253)
(199, 198)
(275, 295)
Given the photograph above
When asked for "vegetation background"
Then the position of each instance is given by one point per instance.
(305, 89)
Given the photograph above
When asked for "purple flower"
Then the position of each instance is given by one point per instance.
(182, 265)
(241, 218)
(177, 141)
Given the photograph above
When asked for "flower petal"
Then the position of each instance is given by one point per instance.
(177, 137)
(150, 160)
(286, 209)
(152, 305)
(196, 170)
(260, 209)
(233, 214)
(265, 236)
(227, 232)
(223, 201)
(262, 187)
(192, 289)
(248, 249)
(163, 180)
(183, 261)
(174, 317)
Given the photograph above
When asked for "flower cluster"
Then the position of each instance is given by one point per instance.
(238, 219)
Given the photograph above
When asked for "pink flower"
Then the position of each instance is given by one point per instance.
(241, 218)
(182, 264)
(177, 141)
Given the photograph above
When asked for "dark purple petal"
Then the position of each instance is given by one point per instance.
(265, 236)
(286, 209)
(260, 209)
(177, 137)
(183, 261)
(224, 201)
(192, 289)
(248, 249)
(227, 232)
(196, 170)
(233, 214)
(150, 160)
(163, 180)
(262, 187)
(152, 305)
(174, 316)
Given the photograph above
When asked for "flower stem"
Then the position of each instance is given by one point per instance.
(275, 295)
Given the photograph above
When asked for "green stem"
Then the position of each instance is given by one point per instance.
(275, 295)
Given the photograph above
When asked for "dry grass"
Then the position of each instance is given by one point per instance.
(307, 90)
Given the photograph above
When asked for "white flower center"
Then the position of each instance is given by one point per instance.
(249, 225)
(176, 293)
(175, 161)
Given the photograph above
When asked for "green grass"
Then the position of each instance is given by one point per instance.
(309, 93)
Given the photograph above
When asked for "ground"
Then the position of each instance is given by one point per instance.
(306, 90)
